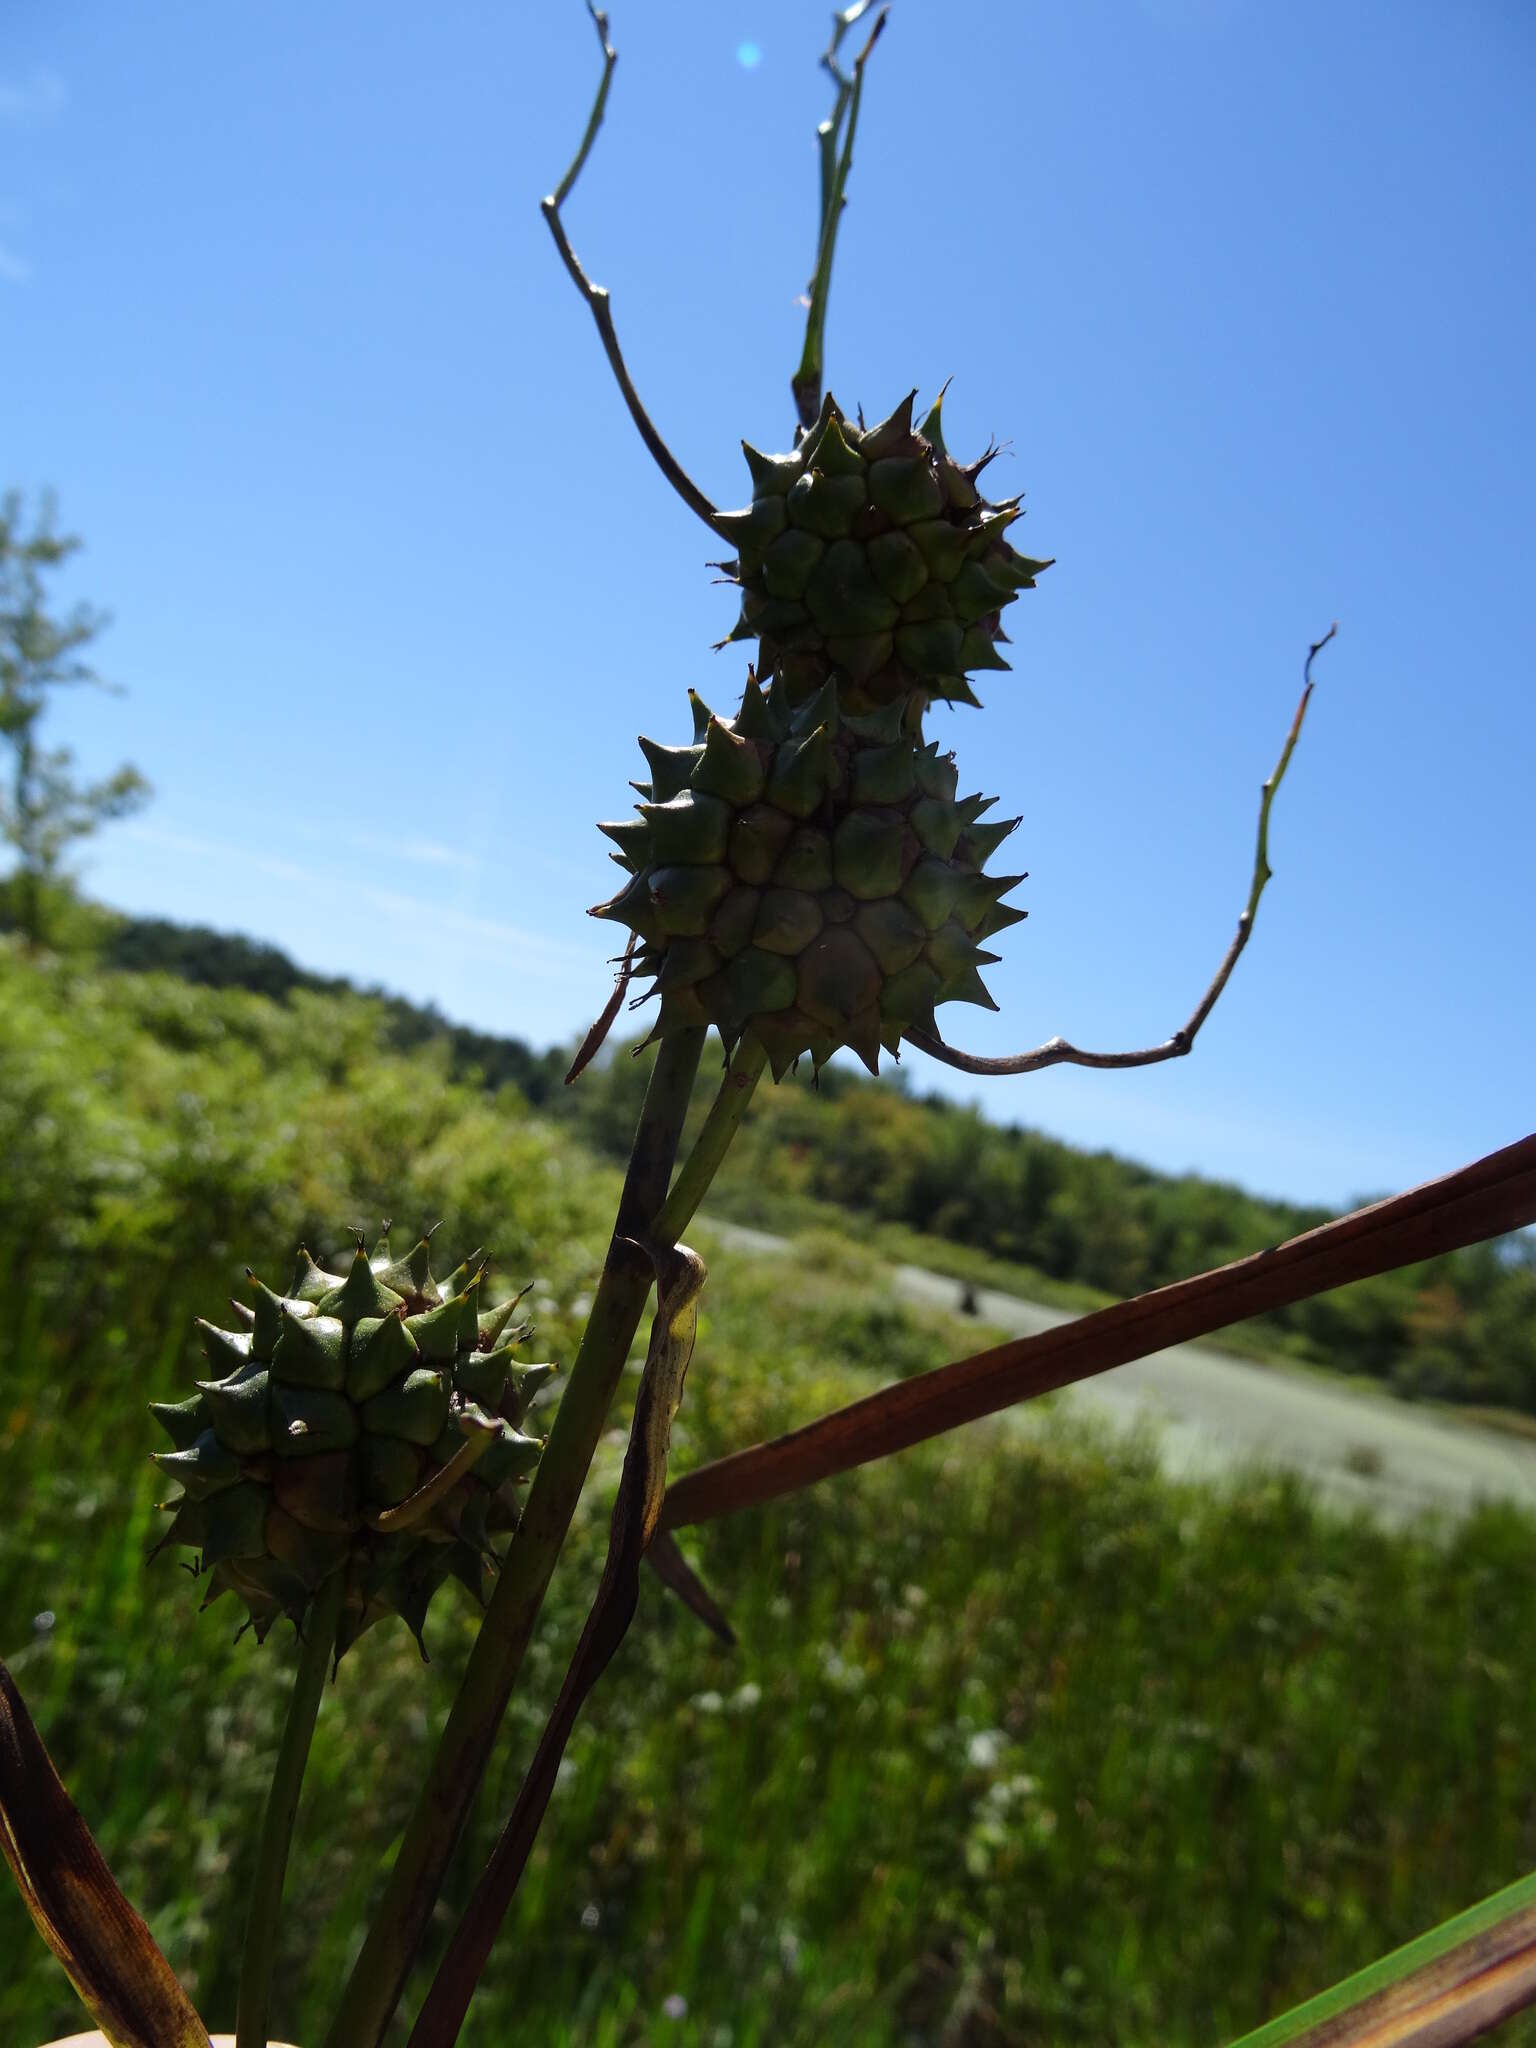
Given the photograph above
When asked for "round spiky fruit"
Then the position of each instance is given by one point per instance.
(371, 1422)
(870, 554)
(807, 876)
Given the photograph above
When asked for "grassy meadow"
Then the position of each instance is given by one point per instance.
(1021, 1744)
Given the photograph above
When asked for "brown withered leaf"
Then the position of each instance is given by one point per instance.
(1492, 1196)
(679, 1577)
(108, 1953)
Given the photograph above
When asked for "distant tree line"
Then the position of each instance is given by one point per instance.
(211, 959)
(1460, 1328)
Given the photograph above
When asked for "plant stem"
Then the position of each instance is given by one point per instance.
(251, 2029)
(806, 382)
(378, 1976)
(562, 191)
(712, 1143)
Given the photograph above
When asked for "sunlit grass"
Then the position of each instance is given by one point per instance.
(1021, 1744)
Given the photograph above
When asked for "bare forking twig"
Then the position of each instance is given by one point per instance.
(835, 144)
(597, 298)
(1059, 1051)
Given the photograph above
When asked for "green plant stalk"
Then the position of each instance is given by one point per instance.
(805, 385)
(251, 2029)
(384, 1962)
(712, 1143)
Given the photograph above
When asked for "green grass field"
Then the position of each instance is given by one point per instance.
(1020, 1745)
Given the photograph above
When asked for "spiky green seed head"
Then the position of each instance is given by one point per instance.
(869, 554)
(808, 876)
(371, 1422)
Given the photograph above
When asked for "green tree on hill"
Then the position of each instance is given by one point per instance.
(44, 806)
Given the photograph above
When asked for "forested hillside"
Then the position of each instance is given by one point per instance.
(1461, 1328)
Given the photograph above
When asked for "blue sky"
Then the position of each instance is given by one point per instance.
(1247, 289)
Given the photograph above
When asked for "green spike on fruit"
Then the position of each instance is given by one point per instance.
(382, 1351)
(361, 1294)
(670, 768)
(313, 1351)
(267, 1311)
(415, 1411)
(408, 1275)
(855, 542)
(494, 1320)
(463, 1274)
(312, 1283)
(525, 1383)
(240, 1412)
(817, 884)
(333, 1409)
(182, 1421)
(203, 1468)
(731, 767)
(225, 1350)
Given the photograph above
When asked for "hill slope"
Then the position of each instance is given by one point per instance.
(1017, 1209)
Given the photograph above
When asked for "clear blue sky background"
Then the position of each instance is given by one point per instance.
(1249, 290)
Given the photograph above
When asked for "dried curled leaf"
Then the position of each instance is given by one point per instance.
(108, 1953)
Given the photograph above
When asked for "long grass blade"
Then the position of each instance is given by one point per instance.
(1451, 1985)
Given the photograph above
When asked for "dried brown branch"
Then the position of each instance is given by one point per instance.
(835, 143)
(679, 1577)
(1492, 1196)
(679, 1282)
(1060, 1051)
(592, 1044)
(597, 298)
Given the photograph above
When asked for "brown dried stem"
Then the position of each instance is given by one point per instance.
(594, 1041)
(1449, 1986)
(1060, 1051)
(1494, 1195)
(452, 1779)
(597, 298)
(679, 1282)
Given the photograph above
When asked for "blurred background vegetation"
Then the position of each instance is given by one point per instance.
(1022, 1744)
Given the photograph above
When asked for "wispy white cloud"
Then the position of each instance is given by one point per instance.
(28, 102)
(465, 924)
(420, 916)
(14, 269)
(428, 853)
(217, 849)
